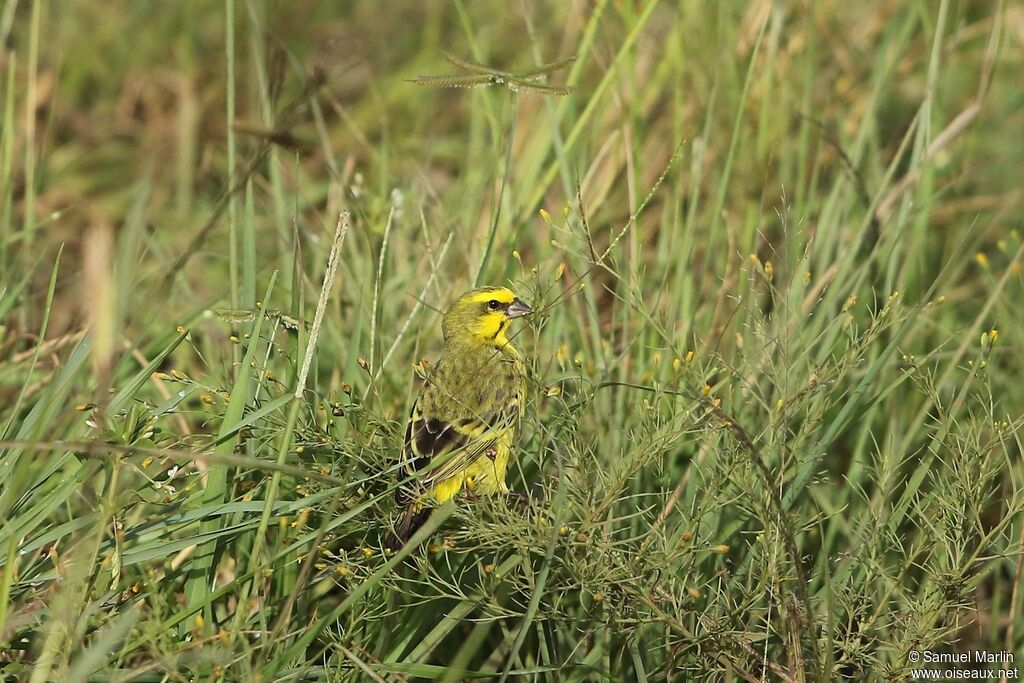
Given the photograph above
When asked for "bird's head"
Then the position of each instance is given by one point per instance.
(482, 316)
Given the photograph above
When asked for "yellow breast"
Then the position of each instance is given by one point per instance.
(484, 476)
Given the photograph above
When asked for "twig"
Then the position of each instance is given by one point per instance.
(948, 134)
(340, 231)
(286, 119)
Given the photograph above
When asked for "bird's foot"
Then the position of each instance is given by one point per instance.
(519, 501)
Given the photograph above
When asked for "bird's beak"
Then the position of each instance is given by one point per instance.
(518, 309)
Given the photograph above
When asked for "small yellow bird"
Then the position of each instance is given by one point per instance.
(465, 424)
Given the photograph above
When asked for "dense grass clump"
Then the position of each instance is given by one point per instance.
(775, 422)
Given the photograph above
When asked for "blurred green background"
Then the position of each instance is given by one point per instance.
(775, 424)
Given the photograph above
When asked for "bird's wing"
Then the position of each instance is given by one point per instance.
(446, 432)
(436, 449)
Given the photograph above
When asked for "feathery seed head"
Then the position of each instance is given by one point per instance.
(482, 316)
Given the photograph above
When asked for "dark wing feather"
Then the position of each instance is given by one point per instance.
(429, 438)
(411, 519)
(446, 448)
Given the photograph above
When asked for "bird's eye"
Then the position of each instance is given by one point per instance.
(494, 305)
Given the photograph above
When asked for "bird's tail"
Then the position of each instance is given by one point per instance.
(413, 517)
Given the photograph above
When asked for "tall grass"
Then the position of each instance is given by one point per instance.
(774, 430)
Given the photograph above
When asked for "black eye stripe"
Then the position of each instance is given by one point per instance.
(495, 305)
